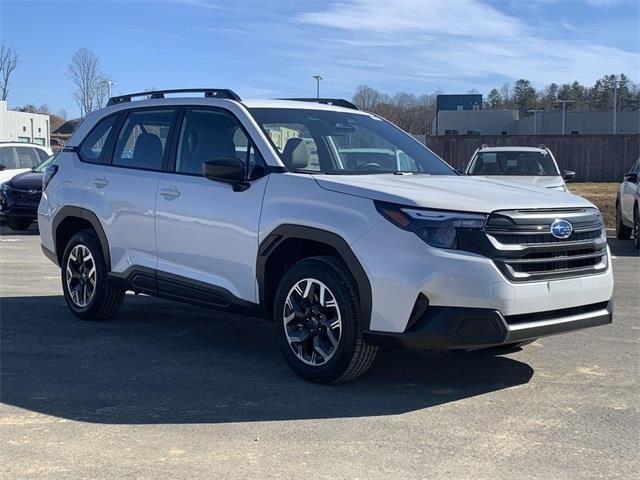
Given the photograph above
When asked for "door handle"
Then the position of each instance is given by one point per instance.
(100, 182)
(170, 193)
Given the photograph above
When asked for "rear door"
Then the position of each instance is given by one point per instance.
(122, 192)
(207, 234)
(628, 194)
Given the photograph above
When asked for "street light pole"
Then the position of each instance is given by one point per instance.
(615, 106)
(535, 120)
(564, 110)
(318, 78)
(109, 84)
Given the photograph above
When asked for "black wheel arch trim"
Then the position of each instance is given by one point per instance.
(84, 214)
(288, 231)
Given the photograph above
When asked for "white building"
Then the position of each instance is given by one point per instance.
(24, 127)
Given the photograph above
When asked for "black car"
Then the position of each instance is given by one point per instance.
(20, 196)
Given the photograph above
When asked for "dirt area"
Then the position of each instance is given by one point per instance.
(603, 195)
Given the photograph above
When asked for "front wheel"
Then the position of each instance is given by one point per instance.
(86, 288)
(319, 324)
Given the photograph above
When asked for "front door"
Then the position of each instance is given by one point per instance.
(207, 233)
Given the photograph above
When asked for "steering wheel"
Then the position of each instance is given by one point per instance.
(369, 165)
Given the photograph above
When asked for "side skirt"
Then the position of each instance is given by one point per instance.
(181, 289)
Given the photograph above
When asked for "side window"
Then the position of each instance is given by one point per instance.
(8, 158)
(296, 145)
(27, 157)
(42, 154)
(92, 149)
(143, 139)
(209, 135)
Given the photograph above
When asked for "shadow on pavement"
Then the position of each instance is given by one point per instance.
(5, 231)
(622, 248)
(161, 362)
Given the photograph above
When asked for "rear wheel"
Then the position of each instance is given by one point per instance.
(19, 223)
(636, 227)
(622, 231)
(86, 288)
(319, 324)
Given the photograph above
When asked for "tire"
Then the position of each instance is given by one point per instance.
(622, 231)
(101, 299)
(636, 227)
(19, 223)
(347, 356)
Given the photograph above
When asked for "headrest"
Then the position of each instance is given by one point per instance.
(296, 154)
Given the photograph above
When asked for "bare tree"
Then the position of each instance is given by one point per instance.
(8, 63)
(86, 74)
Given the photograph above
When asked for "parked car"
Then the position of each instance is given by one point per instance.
(20, 196)
(530, 165)
(628, 206)
(18, 157)
(208, 209)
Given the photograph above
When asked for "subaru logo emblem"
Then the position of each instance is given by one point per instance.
(32, 191)
(561, 228)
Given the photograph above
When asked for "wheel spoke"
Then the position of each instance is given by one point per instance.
(298, 336)
(332, 338)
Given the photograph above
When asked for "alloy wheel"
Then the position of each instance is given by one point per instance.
(80, 276)
(312, 322)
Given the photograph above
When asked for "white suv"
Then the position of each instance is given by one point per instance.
(273, 208)
(529, 165)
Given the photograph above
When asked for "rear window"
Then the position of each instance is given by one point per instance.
(515, 163)
(143, 139)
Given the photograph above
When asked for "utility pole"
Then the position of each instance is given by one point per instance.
(615, 105)
(535, 120)
(109, 85)
(564, 110)
(318, 78)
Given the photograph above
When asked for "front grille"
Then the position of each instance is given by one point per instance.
(24, 197)
(524, 249)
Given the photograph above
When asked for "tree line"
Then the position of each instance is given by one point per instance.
(416, 114)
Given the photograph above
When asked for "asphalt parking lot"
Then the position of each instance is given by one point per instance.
(173, 391)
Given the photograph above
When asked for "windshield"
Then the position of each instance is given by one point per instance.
(40, 168)
(324, 141)
(532, 164)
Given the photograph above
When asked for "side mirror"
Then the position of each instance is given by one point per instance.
(631, 177)
(2, 167)
(228, 170)
(568, 175)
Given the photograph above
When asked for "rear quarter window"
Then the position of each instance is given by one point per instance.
(93, 146)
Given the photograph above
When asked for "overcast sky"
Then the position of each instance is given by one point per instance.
(272, 48)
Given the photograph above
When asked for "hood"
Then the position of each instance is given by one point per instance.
(538, 181)
(26, 181)
(6, 175)
(449, 192)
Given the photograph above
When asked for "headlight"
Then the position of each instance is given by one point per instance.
(438, 228)
(4, 188)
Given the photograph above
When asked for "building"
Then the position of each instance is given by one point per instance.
(507, 122)
(578, 123)
(476, 122)
(466, 101)
(24, 127)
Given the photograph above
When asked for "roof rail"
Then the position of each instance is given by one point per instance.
(336, 102)
(208, 92)
(542, 146)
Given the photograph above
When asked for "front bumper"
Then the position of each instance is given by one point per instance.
(455, 328)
